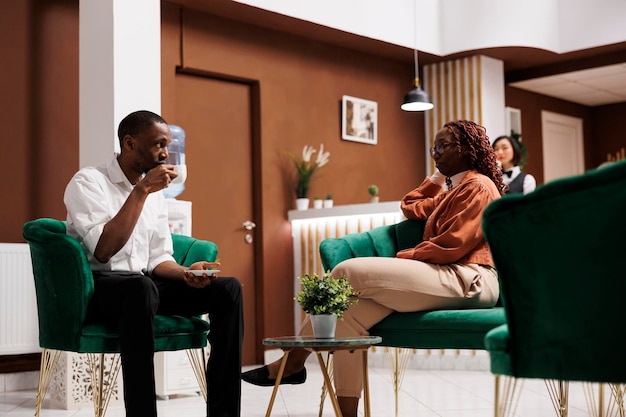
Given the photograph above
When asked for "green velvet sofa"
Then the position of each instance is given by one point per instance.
(563, 289)
(442, 329)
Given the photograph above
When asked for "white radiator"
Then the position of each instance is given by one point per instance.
(19, 331)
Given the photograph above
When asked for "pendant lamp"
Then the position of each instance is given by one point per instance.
(416, 99)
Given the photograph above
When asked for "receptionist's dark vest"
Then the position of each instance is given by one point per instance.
(517, 185)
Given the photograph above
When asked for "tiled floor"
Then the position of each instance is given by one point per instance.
(425, 393)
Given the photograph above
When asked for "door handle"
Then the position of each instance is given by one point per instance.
(248, 225)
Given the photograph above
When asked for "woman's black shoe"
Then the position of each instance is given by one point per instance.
(260, 377)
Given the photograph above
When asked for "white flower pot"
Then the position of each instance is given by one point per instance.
(324, 325)
(328, 203)
(318, 203)
(302, 203)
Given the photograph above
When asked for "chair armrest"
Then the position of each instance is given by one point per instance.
(380, 241)
(333, 251)
(188, 250)
(498, 339)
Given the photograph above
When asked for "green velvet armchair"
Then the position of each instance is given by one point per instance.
(64, 286)
(559, 252)
(441, 329)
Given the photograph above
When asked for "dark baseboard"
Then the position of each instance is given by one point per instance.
(19, 363)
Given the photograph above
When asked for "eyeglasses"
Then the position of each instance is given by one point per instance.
(441, 147)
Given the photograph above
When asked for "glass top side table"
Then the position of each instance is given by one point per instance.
(353, 343)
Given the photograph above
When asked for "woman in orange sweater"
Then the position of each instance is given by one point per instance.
(450, 269)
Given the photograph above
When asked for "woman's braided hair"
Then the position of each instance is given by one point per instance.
(482, 157)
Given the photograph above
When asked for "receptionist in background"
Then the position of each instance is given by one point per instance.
(509, 154)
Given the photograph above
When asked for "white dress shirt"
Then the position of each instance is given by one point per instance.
(93, 197)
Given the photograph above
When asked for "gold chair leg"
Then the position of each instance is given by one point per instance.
(507, 394)
(496, 401)
(198, 360)
(103, 380)
(399, 359)
(49, 360)
(615, 406)
(595, 409)
(559, 391)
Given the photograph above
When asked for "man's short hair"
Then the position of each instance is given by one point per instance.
(137, 122)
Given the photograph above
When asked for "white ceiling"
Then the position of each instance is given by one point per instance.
(590, 87)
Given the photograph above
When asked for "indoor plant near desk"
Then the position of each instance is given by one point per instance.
(305, 168)
(373, 192)
(328, 203)
(325, 298)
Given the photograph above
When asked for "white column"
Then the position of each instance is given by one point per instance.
(468, 88)
(120, 70)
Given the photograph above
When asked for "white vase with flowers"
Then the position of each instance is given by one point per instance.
(305, 168)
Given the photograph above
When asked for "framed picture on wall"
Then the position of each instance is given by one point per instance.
(359, 120)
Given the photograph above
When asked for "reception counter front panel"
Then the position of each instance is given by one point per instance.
(310, 227)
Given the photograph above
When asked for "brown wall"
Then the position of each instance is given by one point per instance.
(39, 109)
(607, 136)
(531, 105)
(15, 33)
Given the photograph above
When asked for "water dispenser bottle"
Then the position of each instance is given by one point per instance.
(176, 151)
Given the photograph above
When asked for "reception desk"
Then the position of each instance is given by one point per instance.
(310, 227)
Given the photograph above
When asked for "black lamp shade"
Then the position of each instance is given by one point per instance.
(416, 100)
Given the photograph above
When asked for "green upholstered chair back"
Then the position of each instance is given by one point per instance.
(560, 255)
(64, 282)
(381, 241)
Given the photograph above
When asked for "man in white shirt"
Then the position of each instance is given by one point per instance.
(119, 214)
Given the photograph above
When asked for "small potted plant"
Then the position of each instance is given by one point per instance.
(328, 203)
(318, 202)
(373, 191)
(325, 298)
(305, 168)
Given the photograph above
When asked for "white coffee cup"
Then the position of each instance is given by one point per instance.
(181, 170)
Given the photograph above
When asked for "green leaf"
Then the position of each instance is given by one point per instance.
(326, 294)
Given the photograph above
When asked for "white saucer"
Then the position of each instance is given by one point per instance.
(200, 272)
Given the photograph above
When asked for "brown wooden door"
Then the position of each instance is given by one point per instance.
(215, 115)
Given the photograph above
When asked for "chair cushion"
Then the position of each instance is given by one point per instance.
(441, 329)
(171, 333)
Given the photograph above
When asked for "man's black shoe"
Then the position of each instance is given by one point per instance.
(260, 377)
